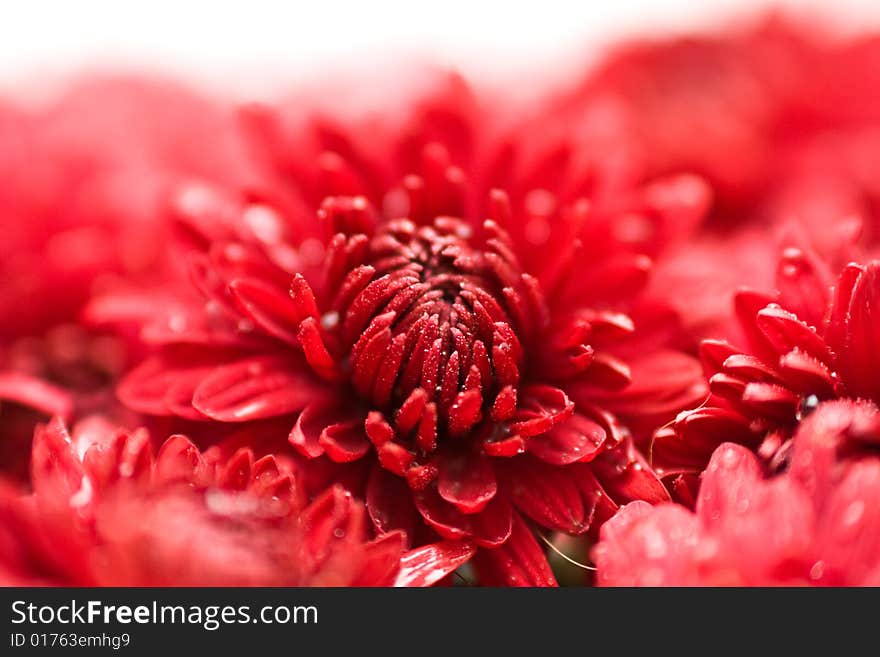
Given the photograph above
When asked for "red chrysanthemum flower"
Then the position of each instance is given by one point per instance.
(816, 524)
(105, 510)
(786, 101)
(815, 340)
(458, 347)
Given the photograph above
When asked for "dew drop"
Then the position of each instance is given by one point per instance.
(177, 323)
(330, 320)
(83, 496)
(853, 513)
(808, 404)
(265, 223)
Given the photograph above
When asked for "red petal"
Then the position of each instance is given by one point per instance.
(255, 388)
(389, 503)
(381, 563)
(519, 562)
(627, 477)
(504, 446)
(157, 387)
(732, 475)
(806, 374)
(547, 494)
(179, 395)
(332, 517)
(540, 407)
(803, 282)
(345, 441)
(312, 342)
(836, 326)
(35, 393)
(431, 563)
(747, 303)
(861, 356)
(57, 474)
(850, 542)
(467, 481)
(180, 460)
(608, 372)
(713, 353)
(786, 332)
(771, 400)
(395, 458)
(269, 308)
(490, 527)
(577, 439)
(306, 433)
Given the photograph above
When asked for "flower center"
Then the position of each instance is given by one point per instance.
(432, 318)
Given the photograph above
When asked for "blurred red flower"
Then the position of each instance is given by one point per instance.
(816, 524)
(106, 511)
(85, 176)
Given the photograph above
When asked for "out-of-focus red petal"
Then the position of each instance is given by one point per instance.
(56, 472)
(157, 387)
(35, 393)
(646, 546)
(332, 517)
(850, 545)
(381, 560)
(179, 460)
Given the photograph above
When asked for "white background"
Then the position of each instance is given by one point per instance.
(249, 46)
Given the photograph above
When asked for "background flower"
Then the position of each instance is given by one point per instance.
(816, 524)
(106, 511)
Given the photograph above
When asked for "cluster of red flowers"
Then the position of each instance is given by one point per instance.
(451, 340)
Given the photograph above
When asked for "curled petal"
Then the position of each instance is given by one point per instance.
(540, 408)
(344, 441)
(576, 439)
(490, 527)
